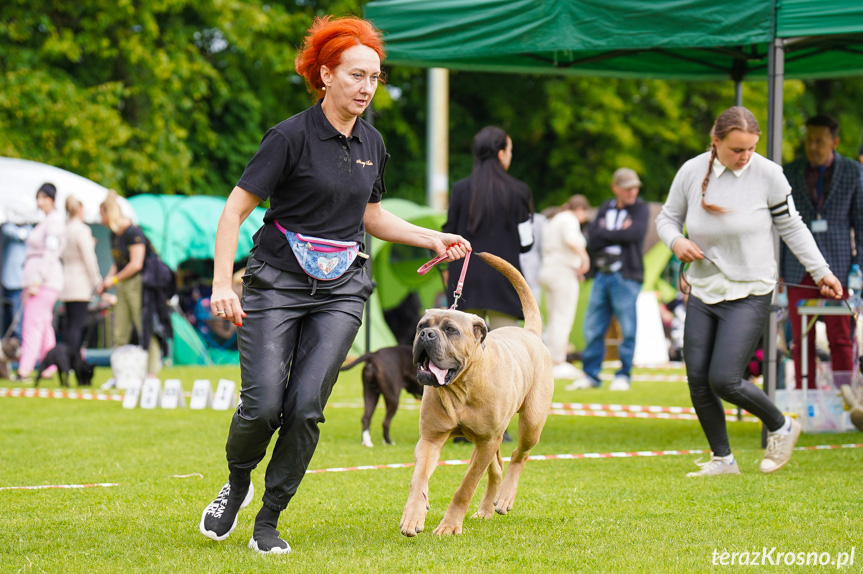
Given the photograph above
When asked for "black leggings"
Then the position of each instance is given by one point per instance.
(718, 343)
(294, 338)
(76, 323)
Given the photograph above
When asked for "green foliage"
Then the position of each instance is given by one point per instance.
(173, 96)
(160, 96)
(579, 515)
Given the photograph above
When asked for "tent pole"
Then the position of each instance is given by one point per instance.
(775, 85)
(437, 139)
(738, 93)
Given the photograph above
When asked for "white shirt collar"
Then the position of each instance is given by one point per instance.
(719, 169)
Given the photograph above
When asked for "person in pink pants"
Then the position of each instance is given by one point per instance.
(42, 283)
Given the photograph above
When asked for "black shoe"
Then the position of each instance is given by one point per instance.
(267, 541)
(220, 517)
(506, 437)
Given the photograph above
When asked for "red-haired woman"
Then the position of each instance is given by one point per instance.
(305, 284)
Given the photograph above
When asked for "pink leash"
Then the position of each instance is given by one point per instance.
(427, 267)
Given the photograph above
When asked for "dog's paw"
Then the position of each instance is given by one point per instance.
(411, 528)
(484, 513)
(412, 522)
(367, 439)
(447, 529)
(503, 506)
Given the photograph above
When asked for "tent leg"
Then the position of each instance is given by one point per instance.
(775, 85)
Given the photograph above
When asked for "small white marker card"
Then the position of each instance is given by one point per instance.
(225, 396)
(172, 394)
(202, 394)
(150, 393)
(133, 391)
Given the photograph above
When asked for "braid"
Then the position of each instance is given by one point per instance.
(710, 207)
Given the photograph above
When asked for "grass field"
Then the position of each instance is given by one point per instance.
(636, 514)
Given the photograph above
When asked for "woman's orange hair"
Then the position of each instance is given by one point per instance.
(326, 40)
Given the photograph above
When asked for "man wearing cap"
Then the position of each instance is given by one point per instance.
(614, 241)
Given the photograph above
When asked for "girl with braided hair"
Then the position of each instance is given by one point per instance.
(730, 199)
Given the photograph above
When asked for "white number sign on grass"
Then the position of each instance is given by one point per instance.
(225, 398)
(150, 393)
(202, 394)
(172, 394)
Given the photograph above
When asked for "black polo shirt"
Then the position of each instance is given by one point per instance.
(317, 180)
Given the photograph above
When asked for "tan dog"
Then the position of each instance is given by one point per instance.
(477, 380)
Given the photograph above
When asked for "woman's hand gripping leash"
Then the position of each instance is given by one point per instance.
(453, 252)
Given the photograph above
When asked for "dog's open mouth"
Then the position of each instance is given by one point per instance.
(430, 374)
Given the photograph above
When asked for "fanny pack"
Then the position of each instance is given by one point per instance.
(324, 259)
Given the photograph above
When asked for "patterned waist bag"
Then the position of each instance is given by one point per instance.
(324, 259)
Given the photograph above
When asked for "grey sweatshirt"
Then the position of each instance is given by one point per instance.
(739, 242)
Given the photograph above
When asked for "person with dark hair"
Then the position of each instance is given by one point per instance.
(82, 276)
(42, 283)
(730, 200)
(494, 211)
(615, 239)
(306, 283)
(828, 192)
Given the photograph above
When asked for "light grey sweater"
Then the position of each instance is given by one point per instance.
(739, 242)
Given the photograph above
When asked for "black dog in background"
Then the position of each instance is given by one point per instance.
(387, 372)
(66, 359)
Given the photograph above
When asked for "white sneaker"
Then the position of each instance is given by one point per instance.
(565, 371)
(780, 447)
(584, 382)
(620, 383)
(715, 466)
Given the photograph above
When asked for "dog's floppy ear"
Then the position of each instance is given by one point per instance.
(480, 329)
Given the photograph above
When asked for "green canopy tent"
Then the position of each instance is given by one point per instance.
(670, 39)
(183, 228)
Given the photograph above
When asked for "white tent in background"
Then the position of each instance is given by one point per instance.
(21, 178)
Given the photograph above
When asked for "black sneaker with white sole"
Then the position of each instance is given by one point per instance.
(220, 517)
(267, 541)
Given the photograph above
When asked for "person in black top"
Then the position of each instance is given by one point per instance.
(493, 210)
(129, 247)
(323, 172)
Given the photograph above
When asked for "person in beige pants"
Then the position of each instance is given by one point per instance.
(564, 263)
(129, 247)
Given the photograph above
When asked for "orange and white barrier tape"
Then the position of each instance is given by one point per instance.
(50, 486)
(588, 455)
(59, 394)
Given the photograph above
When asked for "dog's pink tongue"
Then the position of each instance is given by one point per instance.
(439, 373)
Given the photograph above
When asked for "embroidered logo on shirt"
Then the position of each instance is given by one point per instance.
(364, 163)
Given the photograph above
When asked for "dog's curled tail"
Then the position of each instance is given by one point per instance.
(355, 362)
(532, 316)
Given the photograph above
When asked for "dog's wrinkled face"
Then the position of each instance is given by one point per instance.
(444, 343)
